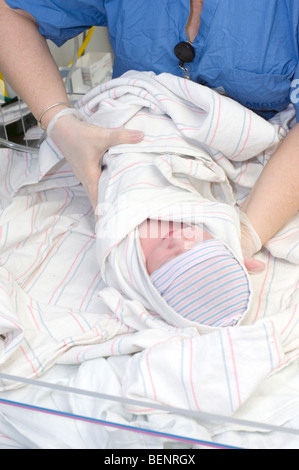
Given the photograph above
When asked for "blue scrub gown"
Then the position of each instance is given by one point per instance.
(246, 48)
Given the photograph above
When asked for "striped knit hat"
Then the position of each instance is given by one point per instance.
(206, 284)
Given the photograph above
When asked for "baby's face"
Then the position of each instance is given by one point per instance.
(162, 241)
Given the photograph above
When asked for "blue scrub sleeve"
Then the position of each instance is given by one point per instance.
(294, 93)
(61, 20)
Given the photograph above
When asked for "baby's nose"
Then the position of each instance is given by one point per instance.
(189, 233)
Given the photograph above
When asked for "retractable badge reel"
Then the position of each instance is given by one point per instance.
(185, 52)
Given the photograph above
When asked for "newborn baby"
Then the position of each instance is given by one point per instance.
(195, 273)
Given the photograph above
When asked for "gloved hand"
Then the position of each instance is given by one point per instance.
(250, 244)
(83, 145)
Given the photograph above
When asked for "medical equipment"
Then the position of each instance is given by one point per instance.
(18, 127)
(85, 43)
(138, 431)
(19, 130)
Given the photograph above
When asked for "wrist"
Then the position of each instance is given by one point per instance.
(50, 112)
(62, 116)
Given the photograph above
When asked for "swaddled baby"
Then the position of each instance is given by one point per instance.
(195, 273)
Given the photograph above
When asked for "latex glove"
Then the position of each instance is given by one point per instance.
(250, 244)
(83, 145)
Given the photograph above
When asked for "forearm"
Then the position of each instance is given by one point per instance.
(275, 197)
(27, 63)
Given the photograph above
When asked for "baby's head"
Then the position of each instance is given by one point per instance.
(197, 275)
(161, 241)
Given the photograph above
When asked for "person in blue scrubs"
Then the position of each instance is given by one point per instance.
(247, 49)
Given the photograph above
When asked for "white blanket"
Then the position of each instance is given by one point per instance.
(59, 305)
(176, 177)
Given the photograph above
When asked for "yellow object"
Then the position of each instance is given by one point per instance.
(3, 91)
(85, 43)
